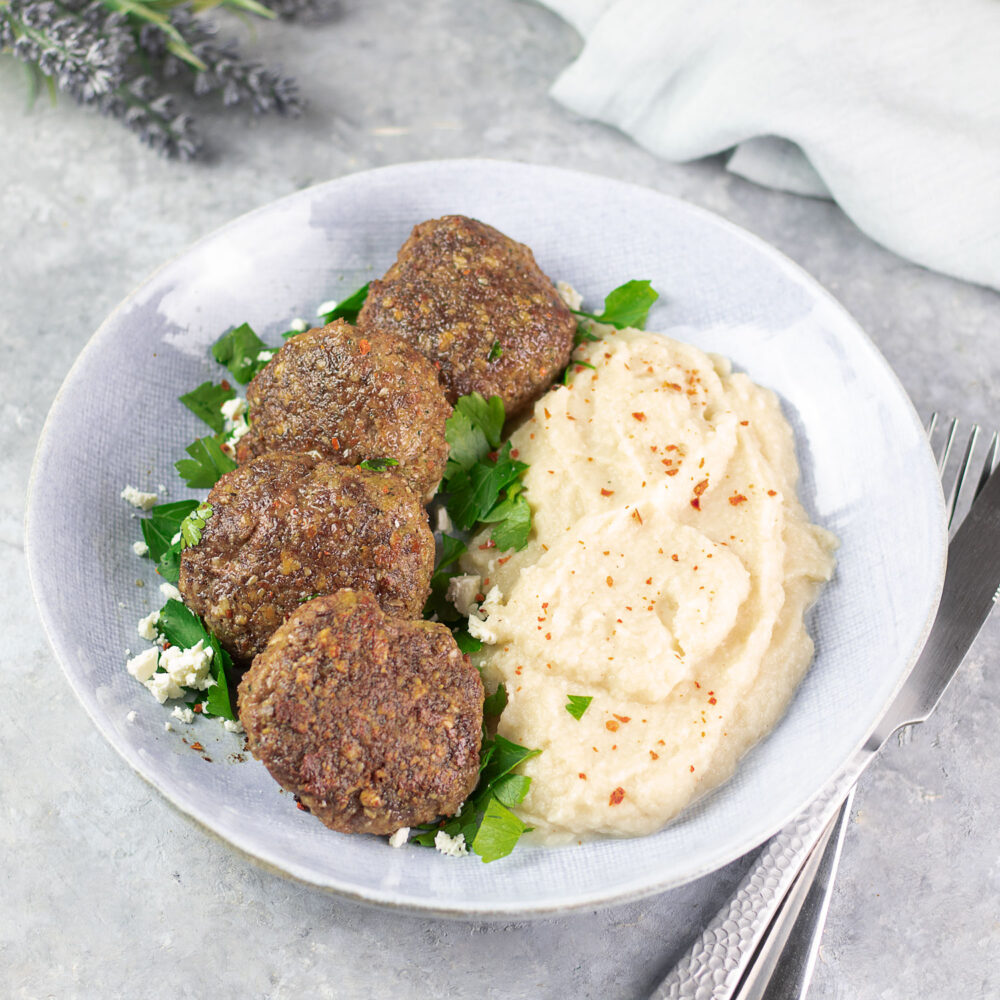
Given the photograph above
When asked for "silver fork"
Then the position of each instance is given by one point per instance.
(765, 940)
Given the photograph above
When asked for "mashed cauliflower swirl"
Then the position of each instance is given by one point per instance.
(666, 577)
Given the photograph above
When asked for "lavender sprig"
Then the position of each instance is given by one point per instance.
(119, 56)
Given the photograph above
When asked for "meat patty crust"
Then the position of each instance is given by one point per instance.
(351, 397)
(373, 722)
(474, 302)
(285, 528)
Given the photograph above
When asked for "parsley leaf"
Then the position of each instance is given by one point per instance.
(158, 531)
(238, 350)
(498, 832)
(181, 627)
(473, 430)
(496, 351)
(578, 704)
(627, 306)
(444, 569)
(514, 517)
(378, 464)
(472, 494)
(466, 643)
(494, 704)
(348, 308)
(206, 402)
(192, 525)
(207, 463)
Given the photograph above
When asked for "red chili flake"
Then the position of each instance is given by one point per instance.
(502, 560)
(636, 515)
(623, 718)
(701, 487)
(196, 708)
(697, 685)
(672, 385)
(225, 385)
(672, 472)
(696, 503)
(166, 645)
(640, 416)
(711, 701)
(299, 805)
(611, 725)
(545, 604)
(548, 635)
(737, 498)
(582, 776)
(692, 768)
(610, 581)
(649, 579)
(744, 423)
(489, 545)
(198, 747)
(548, 416)
(493, 456)
(365, 346)
(654, 755)
(616, 797)
(514, 452)
(606, 493)
(517, 670)
(772, 493)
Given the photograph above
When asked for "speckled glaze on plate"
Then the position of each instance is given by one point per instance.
(867, 475)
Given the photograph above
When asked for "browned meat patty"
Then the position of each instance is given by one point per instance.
(286, 527)
(351, 396)
(474, 302)
(375, 723)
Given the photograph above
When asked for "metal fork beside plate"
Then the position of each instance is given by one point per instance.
(740, 951)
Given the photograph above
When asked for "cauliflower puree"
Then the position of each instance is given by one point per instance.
(666, 577)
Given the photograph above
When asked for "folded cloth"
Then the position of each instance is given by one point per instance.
(891, 108)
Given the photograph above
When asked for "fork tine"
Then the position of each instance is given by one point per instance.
(989, 465)
(949, 441)
(963, 472)
(931, 424)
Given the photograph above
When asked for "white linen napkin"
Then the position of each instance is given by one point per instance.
(892, 107)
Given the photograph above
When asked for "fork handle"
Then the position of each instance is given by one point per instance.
(715, 964)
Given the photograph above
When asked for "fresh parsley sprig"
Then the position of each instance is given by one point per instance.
(181, 627)
(206, 401)
(159, 531)
(348, 308)
(482, 480)
(239, 349)
(626, 306)
(208, 462)
(578, 704)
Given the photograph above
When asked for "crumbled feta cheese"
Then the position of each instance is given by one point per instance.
(169, 728)
(239, 429)
(298, 324)
(569, 294)
(266, 356)
(147, 626)
(184, 714)
(443, 520)
(162, 687)
(144, 501)
(232, 409)
(170, 592)
(480, 628)
(462, 591)
(326, 307)
(400, 837)
(143, 666)
(231, 726)
(140, 548)
(188, 667)
(131, 716)
(452, 847)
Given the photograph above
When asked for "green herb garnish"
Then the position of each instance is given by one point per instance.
(208, 462)
(499, 830)
(466, 643)
(348, 308)
(494, 704)
(444, 569)
(473, 430)
(192, 525)
(627, 306)
(158, 532)
(496, 351)
(378, 464)
(181, 627)
(206, 402)
(239, 351)
(578, 704)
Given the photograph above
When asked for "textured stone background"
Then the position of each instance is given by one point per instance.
(106, 890)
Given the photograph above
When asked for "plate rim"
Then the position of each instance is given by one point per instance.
(379, 896)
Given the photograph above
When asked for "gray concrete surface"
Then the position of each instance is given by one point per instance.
(107, 891)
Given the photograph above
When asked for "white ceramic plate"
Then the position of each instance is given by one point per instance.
(867, 475)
